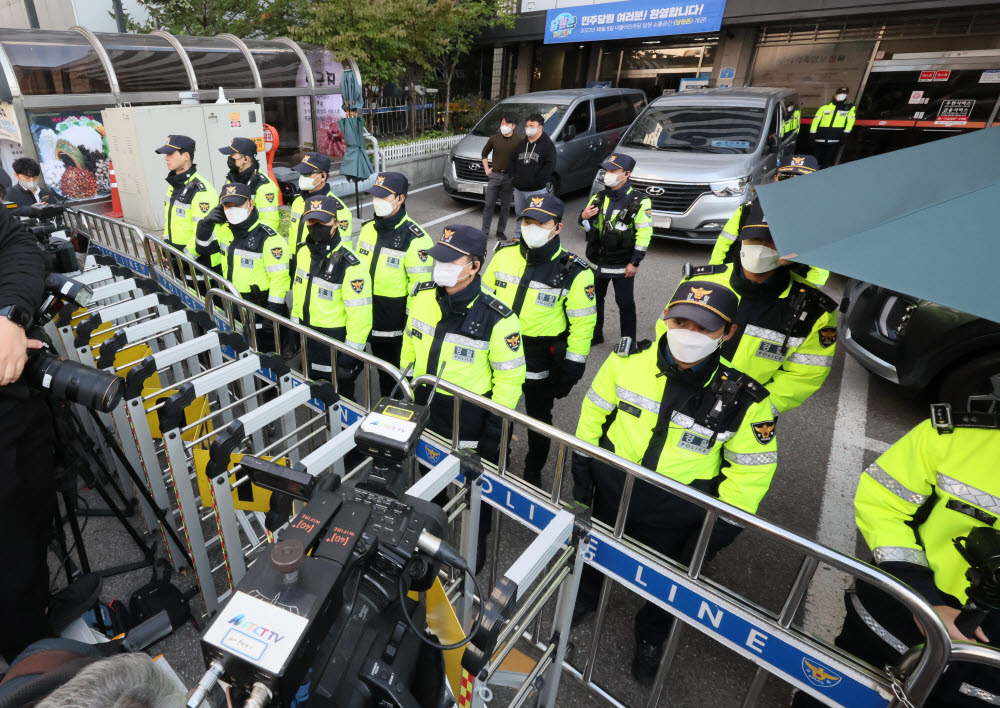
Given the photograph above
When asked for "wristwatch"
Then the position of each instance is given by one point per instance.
(16, 314)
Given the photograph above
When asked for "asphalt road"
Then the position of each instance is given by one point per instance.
(824, 446)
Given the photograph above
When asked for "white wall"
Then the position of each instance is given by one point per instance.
(535, 5)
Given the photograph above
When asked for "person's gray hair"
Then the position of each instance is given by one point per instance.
(123, 681)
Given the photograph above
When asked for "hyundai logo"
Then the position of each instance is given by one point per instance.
(474, 166)
(655, 191)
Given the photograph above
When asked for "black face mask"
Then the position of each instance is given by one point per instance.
(319, 233)
(231, 162)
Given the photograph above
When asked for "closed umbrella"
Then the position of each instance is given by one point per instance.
(920, 221)
(350, 91)
(355, 165)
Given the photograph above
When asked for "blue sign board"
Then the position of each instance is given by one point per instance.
(641, 18)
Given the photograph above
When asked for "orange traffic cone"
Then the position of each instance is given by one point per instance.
(116, 201)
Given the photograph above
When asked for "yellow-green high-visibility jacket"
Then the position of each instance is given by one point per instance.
(397, 263)
(552, 292)
(958, 473)
(625, 237)
(481, 343)
(255, 260)
(832, 122)
(265, 195)
(736, 453)
(792, 124)
(332, 289)
(724, 250)
(297, 226)
(184, 206)
(787, 332)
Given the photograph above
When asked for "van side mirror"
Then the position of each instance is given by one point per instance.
(569, 132)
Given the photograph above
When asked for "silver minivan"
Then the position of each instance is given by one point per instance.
(699, 153)
(584, 124)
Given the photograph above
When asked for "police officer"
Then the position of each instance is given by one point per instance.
(394, 249)
(619, 224)
(331, 293)
(314, 175)
(723, 251)
(552, 292)
(456, 322)
(831, 124)
(787, 326)
(937, 484)
(244, 169)
(659, 406)
(189, 195)
(254, 258)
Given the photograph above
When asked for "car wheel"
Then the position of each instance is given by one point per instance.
(969, 378)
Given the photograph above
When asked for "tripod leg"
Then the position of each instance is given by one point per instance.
(74, 527)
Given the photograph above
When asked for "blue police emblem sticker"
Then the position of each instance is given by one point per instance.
(819, 675)
(432, 454)
(357, 285)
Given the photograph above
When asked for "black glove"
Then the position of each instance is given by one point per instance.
(489, 448)
(348, 367)
(583, 481)
(47, 211)
(216, 216)
(207, 242)
(569, 375)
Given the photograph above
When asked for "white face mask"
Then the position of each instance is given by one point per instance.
(611, 179)
(506, 129)
(237, 215)
(534, 235)
(531, 132)
(840, 96)
(307, 183)
(382, 207)
(759, 259)
(446, 274)
(688, 346)
(30, 185)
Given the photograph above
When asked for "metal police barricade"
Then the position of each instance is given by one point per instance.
(122, 241)
(766, 638)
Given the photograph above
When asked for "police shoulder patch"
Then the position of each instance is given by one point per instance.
(827, 337)
(357, 285)
(204, 206)
(343, 224)
(425, 285)
(764, 431)
(590, 291)
(497, 305)
(513, 341)
(277, 252)
(270, 197)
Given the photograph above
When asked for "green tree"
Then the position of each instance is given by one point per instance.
(244, 18)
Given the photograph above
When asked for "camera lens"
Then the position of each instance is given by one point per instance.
(72, 381)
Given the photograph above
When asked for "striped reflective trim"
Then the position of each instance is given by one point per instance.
(355, 345)
(206, 242)
(579, 358)
(467, 444)
(358, 302)
(876, 472)
(479, 344)
(325, 368)
(420, 269)
(641, 249)
(726, 235)
(545, 288)
(968, 493)
(751, 458)
(811, 359)
(296, 215)
(610, 271)
(968, 689)
(900, 554)
(422, 326)
(687, 422)
(276, 300)
(536, 375)
(594, 398)
(772, 335)
(366, 245)
(635, 399)
(276, 267)
(264, 210)
(881, 632)
(508, 365)
(386, 333)
(507, 278)
(301, 273)
(774, 411)
(582, 312)
(242, 253)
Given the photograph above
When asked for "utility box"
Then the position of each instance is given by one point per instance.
(135, 132)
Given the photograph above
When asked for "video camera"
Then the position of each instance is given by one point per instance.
(322, 617)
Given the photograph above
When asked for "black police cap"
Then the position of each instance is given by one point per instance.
(176, 143)
(618, 161)
(313, 162)
(545, 207)
(243, 146)
(456, 241)
(322, 209)
(389, 184)
(712, 305)
(235, 193)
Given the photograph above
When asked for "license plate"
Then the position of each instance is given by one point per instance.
(661, 222)
(471, 188)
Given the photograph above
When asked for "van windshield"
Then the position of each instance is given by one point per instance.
(518, 113)
(714, 129)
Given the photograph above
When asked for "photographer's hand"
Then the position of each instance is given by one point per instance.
(14, 346)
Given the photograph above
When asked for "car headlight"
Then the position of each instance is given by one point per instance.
(894, 317)
(730, 187)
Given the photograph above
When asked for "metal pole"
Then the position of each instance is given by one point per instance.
(29, 7)
(119, 15)
(618, 76)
